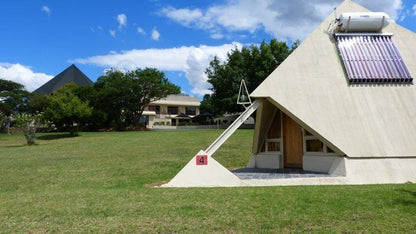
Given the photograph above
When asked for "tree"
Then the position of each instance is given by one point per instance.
(98, 117)
(65, 109)
(151, 85)
(224, 80)
(253, 64)
(13, 97)
(36, 103)
(124, 96)
(206, 104)
(110, 96)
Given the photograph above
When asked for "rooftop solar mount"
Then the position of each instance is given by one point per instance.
(369, 56)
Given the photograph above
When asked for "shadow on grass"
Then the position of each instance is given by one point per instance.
(410, 192)
(17, 146)
(20, 146)
(55, 136)
(408, 201)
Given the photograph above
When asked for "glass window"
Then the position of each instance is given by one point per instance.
(190, 110)
(272, 141)
(155, 109)
(275, 130)
(314, 146)
(173, 110)
(273, 146)
(144, 119)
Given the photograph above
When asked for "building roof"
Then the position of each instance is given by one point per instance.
(366, 120)
(182, 116)
(149, 113)
(178, 100)
(71, 74)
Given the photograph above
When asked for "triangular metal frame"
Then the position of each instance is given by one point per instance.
(243, 85)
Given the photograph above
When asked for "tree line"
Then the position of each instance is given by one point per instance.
(117, 100)
(252, 64)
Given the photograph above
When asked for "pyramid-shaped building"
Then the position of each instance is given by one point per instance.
(342, 102)
(70, 75)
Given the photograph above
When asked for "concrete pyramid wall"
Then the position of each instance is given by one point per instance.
(213, 174)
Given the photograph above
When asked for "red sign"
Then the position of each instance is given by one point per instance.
(202, 160)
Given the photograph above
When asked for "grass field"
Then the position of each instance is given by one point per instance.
(100, 182)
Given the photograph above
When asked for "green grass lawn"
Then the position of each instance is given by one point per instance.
(99, 182)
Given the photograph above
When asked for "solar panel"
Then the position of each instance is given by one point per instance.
(372, 58)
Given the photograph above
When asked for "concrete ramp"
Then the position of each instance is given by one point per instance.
(204, 171)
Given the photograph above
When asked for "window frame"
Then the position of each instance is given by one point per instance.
(172, 113)
(193, 112)
(312, 137)
(273, 140)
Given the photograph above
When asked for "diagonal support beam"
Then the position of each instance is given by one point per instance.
(233, 127)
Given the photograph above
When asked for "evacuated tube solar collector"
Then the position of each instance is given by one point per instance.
(369, 55)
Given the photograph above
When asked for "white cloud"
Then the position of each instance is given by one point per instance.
(191, 60)
(122, 20)
(391, 7)
(95, 29)
(46, 9)
(23, 75)
(141, 31)
(184, 16)
(155, 34)
(281, 18)
(113, 33)
(217, 35)
(405, 13)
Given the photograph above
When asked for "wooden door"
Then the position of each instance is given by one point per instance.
(292, 143)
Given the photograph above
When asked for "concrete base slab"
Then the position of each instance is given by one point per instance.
(281, 173)
(380, 170)
(297, 181)
(344, 171)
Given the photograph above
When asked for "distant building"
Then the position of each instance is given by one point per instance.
(171, 110)
(70, 75)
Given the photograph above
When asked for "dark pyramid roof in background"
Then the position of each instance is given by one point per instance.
(71, 74)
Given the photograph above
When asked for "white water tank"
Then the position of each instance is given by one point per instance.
(362, 21)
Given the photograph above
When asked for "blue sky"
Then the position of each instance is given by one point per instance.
(40, 38)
